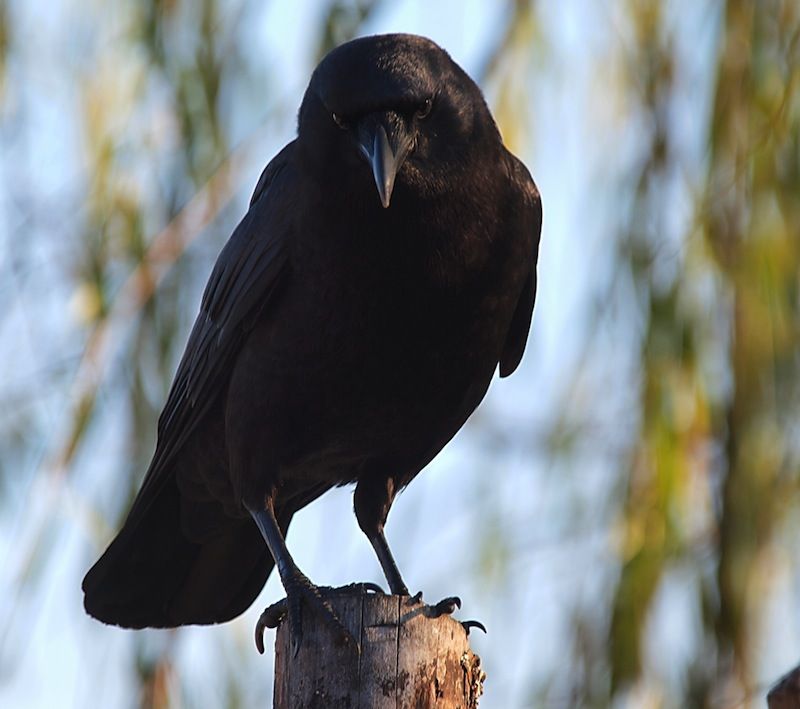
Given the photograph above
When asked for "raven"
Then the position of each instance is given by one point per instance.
(343, 336)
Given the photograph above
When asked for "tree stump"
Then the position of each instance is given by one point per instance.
(408, 659)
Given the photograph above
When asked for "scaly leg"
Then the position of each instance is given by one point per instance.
(372, 499)
(296, 584)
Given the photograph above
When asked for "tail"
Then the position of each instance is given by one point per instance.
(156, 574)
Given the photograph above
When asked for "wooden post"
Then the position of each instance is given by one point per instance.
(408, 659)
(786, 692)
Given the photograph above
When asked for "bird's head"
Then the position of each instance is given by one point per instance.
(396, 105)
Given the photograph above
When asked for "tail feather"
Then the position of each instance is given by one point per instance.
(156, 575)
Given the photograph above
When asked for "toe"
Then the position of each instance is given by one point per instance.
(445, 606)
(468, 624)
(270, 618)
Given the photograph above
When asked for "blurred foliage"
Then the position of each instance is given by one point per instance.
(738, 442)
(182, 48)
(342, 21)
(704, 482)
(5, 39)
(752, 231)
(507, 73)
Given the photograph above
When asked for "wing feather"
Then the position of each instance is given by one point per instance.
(244, 280)
(517, 336)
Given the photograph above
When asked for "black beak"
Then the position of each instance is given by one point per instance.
(385, 143)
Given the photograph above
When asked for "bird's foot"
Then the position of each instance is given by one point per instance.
(447, 606)
(467, 624)
(301, 591)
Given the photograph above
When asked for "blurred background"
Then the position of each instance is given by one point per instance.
(623, 513)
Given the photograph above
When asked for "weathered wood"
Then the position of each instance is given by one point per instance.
(408, 659)
(786, 692)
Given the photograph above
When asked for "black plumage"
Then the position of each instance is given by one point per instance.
(343, 337)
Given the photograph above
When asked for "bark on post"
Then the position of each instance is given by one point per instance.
(407, 660)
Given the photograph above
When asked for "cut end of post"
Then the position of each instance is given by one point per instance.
(408, 658)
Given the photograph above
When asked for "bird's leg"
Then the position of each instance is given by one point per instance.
(372, 499)
(388, 564)
(296, 584)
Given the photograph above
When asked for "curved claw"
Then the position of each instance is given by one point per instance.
(467, 624)
(445, 606)
(291, 608)
(270, 618)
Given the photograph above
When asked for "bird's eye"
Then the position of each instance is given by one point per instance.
(339, 121)
(424, 109)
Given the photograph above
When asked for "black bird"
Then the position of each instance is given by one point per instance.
(343, 337)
